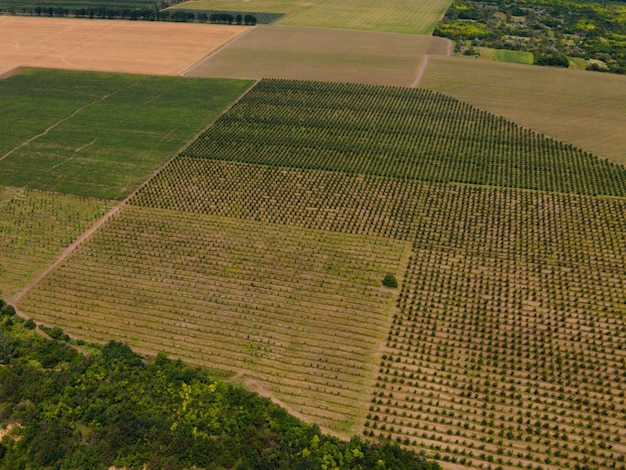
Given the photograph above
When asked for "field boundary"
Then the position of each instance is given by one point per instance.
(100, 222)
(184, 72)
(8, 73)
(421, 68)
(67, 252)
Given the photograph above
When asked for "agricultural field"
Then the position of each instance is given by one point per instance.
(299, 313)
(286, 7)
(300, 197)
(508, 344)
(7, 70)
(75, 4)
(581, 108)
(394, 16)
(261, 248)
(400, 133)
(305, 53)
(141, 47)
(35, 227)
(100, 135)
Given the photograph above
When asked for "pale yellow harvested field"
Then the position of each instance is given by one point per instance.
(109, 46)
(585, 109)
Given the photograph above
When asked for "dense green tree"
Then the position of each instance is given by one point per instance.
(390, 281)
(116, 409)
(552, 30)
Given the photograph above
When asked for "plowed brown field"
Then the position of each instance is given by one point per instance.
(113, 46)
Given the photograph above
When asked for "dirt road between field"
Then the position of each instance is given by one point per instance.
(144, 47)
(305, 53)
(424, 64)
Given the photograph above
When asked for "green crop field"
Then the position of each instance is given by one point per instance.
(100, 135)
(261, 248)
(581, 108)
(35, 227)
(269, 6)
(305, 53)
(394, 16)
(505, 55)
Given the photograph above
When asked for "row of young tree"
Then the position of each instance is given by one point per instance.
(142, 13)
(397, 132)
(61, 409)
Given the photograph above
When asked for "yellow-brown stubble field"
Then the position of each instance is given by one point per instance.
(144, 47)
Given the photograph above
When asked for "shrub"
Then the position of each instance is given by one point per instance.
(390, 281)
(8, 310)
(55, 333)
(554, 60)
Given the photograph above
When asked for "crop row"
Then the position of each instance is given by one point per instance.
(363, 205)
(403, 133)
(509, 343)
(35, 226)
(299, 311)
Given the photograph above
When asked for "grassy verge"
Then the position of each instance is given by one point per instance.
(505, 55)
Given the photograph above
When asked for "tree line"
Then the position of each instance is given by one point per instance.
(140, 13)
(227, 18)
(61, 409)
(553, 30)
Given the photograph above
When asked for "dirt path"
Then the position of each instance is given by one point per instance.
(424, 64)
(216, 51)
(420, 71)
(256, 386)
(100, 222)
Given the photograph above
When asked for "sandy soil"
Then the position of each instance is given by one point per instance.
(108, 45)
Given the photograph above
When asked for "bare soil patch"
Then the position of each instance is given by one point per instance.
(154, 48)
